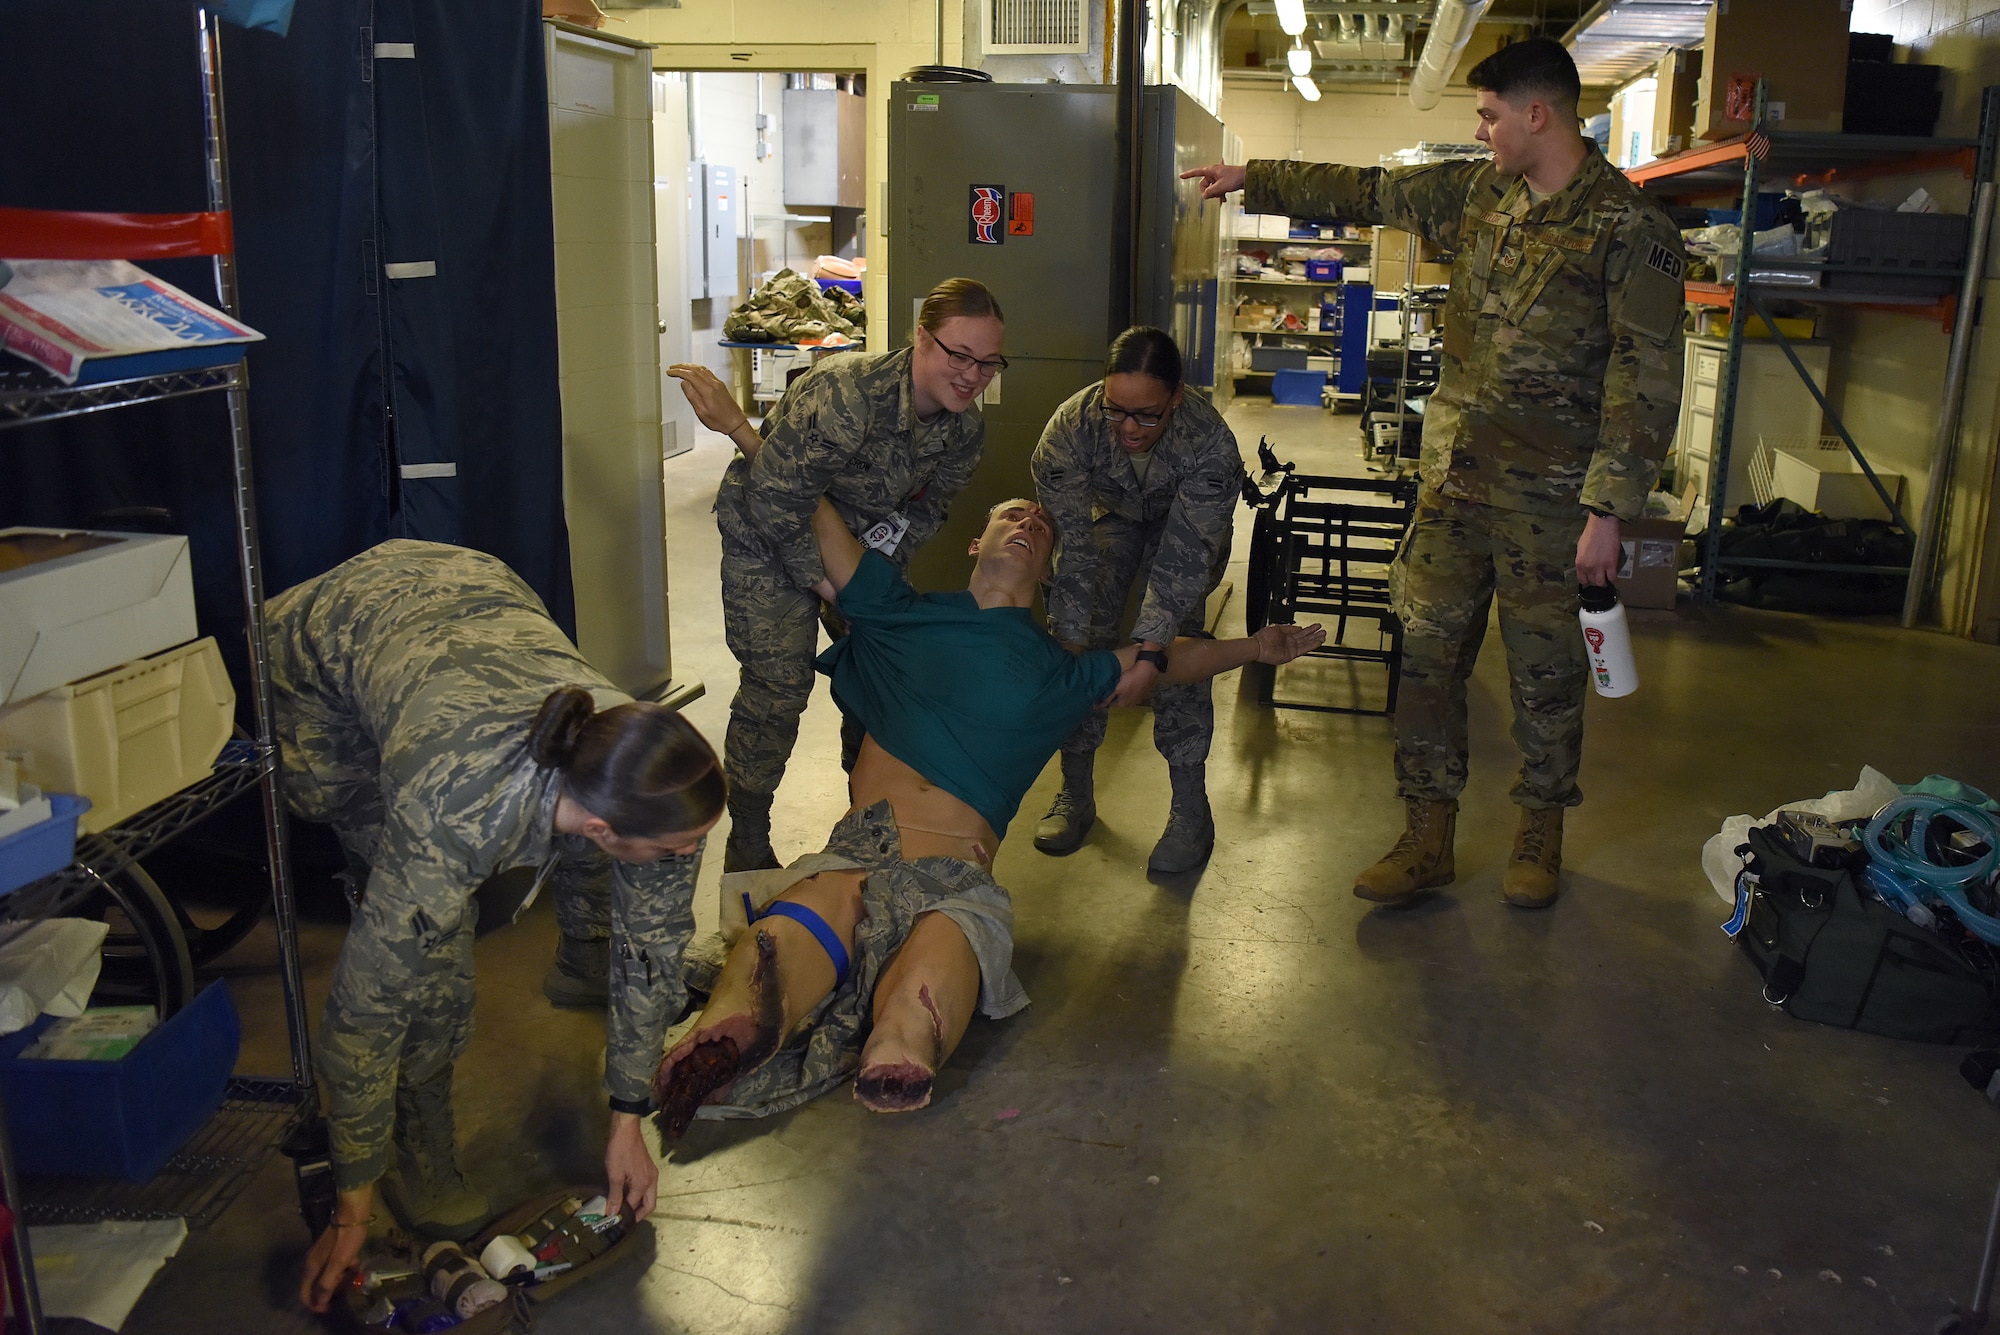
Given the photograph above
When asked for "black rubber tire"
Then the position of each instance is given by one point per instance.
(146, 955)
(1257, 582)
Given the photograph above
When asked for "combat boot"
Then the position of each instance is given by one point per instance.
(425, 1190)
(1531, 881)
(581, 973)
(1420, 860)
(749, 846)
(1074, 810)
(1190, 834)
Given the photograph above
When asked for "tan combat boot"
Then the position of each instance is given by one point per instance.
(1420, 860)
(1530, 882)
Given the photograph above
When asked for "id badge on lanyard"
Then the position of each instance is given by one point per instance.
(886, 534)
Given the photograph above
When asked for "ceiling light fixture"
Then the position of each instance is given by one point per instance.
(1300, 59)
(1292, 16)
(1307, 88)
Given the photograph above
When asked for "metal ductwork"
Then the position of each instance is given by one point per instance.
(1450, 31)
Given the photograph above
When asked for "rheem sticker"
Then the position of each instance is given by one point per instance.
(988, 207)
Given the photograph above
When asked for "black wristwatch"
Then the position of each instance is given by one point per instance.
(1157, 657)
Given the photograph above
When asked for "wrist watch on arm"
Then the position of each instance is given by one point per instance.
(1157, 657)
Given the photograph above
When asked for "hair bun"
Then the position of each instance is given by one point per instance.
(559, 725)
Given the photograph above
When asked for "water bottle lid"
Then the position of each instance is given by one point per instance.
(1597, 597)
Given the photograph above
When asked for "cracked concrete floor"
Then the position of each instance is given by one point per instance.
(1250, 1102)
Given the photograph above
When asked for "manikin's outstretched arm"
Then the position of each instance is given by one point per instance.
(839, 550)
(1191, 658)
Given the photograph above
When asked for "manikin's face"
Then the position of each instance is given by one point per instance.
(1510, 129)
(951, 366)
(1018, 539)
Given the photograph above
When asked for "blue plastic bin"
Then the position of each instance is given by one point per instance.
(852, 285)
(1323, 271)
(30, 854)
(1297, 387)
(124, 1118)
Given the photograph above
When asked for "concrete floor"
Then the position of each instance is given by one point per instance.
(1251, 1102)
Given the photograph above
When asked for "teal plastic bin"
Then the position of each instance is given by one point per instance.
(124, 1118)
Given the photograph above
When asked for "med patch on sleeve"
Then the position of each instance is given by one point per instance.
(1650, 298)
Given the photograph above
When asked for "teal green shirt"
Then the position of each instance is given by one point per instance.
(974, 699)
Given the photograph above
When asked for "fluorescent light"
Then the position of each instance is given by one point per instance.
(1292, 16)
(1307, 88)
(1300, 59)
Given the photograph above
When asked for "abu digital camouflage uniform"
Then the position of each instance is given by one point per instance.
(825, 1049)
(1170, 531)
(847, 430)
(407, 680)
(1559, 393)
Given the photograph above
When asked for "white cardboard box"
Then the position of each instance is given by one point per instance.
(73, 604)
(1830, 483)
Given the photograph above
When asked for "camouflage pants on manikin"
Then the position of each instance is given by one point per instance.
(1183, 715)
(1456, 557)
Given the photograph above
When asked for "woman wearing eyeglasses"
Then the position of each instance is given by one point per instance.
(890, 438)
(1142, 481)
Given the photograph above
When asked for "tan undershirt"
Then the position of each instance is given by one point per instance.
(932, 822)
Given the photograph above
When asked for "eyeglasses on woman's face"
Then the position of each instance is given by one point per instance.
(984, 368)
(1117, 416)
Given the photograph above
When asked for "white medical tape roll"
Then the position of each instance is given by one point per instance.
(505, 1256)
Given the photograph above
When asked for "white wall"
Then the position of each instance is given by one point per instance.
(1355, 127)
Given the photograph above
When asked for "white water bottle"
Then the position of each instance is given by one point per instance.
(1605, 635)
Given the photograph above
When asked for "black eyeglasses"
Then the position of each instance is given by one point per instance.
(965, 361)
(1147, 420)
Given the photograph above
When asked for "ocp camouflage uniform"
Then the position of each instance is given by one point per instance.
(1172, 531)
(1559, 393)
(847, 430)
(406, 680)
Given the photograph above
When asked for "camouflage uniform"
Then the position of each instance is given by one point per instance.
(827, 1047)
(791, 308)
(1560, 389)
(846, 430)
(407, 679)
(1171, 530)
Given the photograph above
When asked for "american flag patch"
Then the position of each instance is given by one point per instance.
(1663, 259)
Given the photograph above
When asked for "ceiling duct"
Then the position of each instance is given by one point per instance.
(1451, 29)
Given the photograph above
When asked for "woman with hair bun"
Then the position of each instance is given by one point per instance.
(430, 711)
(889, 438)
(1141, 479)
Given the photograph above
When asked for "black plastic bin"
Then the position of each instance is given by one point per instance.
(1920, 253)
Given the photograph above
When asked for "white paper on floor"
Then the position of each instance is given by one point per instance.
(98, 1271)
(1870, 793)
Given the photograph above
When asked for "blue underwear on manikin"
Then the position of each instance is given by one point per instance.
(829, 940)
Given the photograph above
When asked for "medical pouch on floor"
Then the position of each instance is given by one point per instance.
(1831, 952)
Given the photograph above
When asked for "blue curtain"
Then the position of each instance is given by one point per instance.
(378, 133)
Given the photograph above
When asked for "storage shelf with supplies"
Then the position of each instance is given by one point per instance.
(1770, 154)
(211, 1168)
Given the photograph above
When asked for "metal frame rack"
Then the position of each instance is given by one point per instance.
(200, 1180)
(1768, 153)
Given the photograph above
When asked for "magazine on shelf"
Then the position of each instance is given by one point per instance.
(73, 317)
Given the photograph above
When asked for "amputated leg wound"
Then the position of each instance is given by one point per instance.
(725, 1047)
(903, 1085)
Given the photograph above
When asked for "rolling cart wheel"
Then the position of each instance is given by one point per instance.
(145, 955)
(1257, 584)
